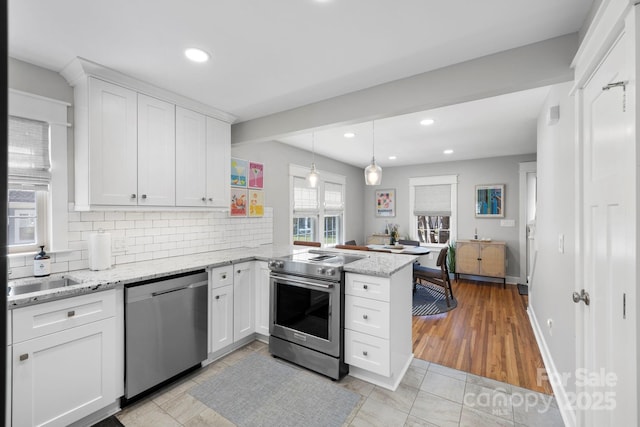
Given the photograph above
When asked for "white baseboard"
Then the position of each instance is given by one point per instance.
(566, 410)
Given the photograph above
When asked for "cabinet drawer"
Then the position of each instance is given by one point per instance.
(367, 352)
(368, 286)
(42, 319)
(367, 315)
(221, 276)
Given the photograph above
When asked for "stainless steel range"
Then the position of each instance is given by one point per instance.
(306, 320)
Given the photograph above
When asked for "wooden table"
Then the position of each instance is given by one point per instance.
(409, 250)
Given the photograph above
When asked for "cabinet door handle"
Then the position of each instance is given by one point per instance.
(365, 317)
(239, 271)
(204, 199)
(24, 357)
(144, 196)
(365, 287)
(224, 276)
(133, 196)
(217, 296)
(211, 199)
(71, 313)
(364, 353)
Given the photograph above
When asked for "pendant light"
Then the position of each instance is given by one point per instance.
(373, 172)
(313, 173)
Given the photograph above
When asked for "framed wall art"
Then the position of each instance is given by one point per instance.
(385, 203)
(238, 206)
(256, 175)
(238, 172)
(490, 201)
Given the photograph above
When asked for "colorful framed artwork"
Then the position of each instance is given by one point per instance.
(256, 202)
(239, 172)
(256, 175)
(385, 203)
(490, 201)
(238, 206)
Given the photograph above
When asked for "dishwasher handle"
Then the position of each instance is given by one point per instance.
(194, 285)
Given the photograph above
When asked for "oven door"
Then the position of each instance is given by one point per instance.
(306, 312)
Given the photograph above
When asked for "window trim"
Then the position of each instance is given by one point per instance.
(302, 172)
(435, 180)
(54, 112)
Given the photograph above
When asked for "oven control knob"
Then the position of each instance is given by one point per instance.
(276, 264)
(321, 270)
(330, 271)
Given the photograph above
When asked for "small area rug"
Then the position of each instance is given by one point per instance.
(430, 299)
(262, 391)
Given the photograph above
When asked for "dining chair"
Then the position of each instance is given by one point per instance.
(304, 243)
(438, 276)
(352, 247)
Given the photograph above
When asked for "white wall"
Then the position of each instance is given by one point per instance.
(553, 278)
(276, 158)
(498, 170)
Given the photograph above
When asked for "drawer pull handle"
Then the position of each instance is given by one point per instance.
(24, 357)
(364, 353)
(224, 276)
(239, 271)
(365, 317)
(217, 296)
(71, 313)
(365, 287)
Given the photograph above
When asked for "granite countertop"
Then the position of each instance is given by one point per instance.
(373, 264)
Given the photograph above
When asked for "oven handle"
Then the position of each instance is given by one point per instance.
(304, 282)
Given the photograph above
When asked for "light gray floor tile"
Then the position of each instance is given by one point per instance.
(489, 383)
(417, 422)
(173, 390)
(420, 364)
(183, 407)
(487, 400)
(443, 386)
(453, 373)
(536, 409)
(208, 418)
(356, 385)
(413, 377)
(401, 399)
(474, 418)
(376, 414)
(436, 410)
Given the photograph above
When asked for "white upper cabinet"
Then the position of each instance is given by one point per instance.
(140, 145)
(156, 152)
(191, 151)
(111, 153)
(218, 162)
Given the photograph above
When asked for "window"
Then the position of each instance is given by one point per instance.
(29, 177)
(37, 162)
(433, 207)
(318, 213)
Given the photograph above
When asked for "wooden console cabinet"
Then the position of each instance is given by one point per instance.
(481, 258)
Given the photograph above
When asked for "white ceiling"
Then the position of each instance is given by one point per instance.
(270, 56)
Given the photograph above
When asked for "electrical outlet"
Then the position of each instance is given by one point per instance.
(550, 325)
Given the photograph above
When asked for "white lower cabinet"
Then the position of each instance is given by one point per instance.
(243, 300)
(262, 297)
(221, 317)
(64, 360)
(377, 339)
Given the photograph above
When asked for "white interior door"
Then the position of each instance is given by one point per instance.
(606, 388)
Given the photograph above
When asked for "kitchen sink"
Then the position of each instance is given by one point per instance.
(41, 286)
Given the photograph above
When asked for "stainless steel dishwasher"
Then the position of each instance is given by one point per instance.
(165, 329)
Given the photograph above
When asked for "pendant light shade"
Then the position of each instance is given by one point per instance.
(373, 172)
(313, 176)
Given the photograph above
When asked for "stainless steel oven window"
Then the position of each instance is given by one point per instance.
(303, 309)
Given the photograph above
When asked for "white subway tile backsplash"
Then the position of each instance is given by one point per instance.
(152, 235)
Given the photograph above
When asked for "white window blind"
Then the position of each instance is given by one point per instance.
(305, 198)
(432, 200)
(29, 159)
(333, 196)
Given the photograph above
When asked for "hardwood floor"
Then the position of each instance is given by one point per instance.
(488, 334)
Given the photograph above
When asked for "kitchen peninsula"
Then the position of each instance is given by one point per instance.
(378, 344)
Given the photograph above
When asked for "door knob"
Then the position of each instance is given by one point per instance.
(582, 296)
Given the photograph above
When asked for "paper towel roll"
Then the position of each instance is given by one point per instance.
(99, 251)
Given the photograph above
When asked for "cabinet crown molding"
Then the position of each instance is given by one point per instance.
(80, 68)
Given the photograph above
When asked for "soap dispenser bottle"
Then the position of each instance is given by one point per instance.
(41, 264)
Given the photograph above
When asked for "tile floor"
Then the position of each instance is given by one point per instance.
(429, 395)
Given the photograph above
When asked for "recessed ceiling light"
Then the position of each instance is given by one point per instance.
(392, 157)
(427, 122)
(448, 151)
(349, 135)
(196, 55)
